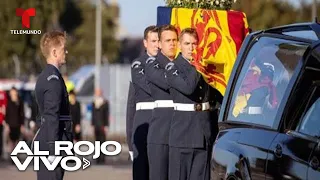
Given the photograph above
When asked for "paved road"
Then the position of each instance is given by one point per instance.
(116, 168)
(95, 172)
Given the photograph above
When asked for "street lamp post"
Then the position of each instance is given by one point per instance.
(314, 10)
(98, 45)
(16, 61)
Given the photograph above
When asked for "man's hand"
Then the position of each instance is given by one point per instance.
(22, 129)
(51, 158)
(106, 129)
(92, 129)
(131, 155)
(78, 128)
(32, 125)
(6, 127)
(2, 110)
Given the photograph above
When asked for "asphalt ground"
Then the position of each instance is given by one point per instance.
(115, 168)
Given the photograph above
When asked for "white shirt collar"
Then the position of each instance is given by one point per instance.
(149, 54)
(185, 58)
(55, 67)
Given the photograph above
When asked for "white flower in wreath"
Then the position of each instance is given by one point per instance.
(197, 1)
(217, 2)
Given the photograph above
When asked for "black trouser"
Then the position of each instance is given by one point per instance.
(100, 136)
(140, 169)
(158, 155)
(45, 174)
(189, 164)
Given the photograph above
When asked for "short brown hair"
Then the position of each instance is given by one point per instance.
(190, 31)
(51, 39)
(167, 28)
(150, 29)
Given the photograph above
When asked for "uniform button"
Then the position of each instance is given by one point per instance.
(200, 87)
(200, 98)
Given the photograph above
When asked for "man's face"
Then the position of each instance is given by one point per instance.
(168, 44)
(187, 44)
(14, 95)
(58, 53)
(72, 98)
(62, 51)
(152, 43)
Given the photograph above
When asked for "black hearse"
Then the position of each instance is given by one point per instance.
(270, 117)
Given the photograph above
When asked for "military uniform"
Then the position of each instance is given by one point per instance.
(158, 136)
(143, 114)
(194, 127)
(54, 117)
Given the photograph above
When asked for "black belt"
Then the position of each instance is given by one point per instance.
(61, 118)
(65, 118)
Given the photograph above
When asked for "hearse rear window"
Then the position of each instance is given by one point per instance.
(263, 80)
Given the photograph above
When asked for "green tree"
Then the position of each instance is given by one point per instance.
(25, 47)
(82, 44)
(304, 13)
(263, 14)
(76, 17)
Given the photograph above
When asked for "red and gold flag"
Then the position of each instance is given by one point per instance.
(221, 34)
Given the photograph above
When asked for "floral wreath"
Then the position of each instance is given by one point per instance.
(202, 4)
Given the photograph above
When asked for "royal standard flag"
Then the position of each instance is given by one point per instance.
(221, 34)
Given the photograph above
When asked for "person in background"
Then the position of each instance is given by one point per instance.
(100, 119)
(69, 84)
(14, 117)
(3, 104)
(34, 113)
(75, 112)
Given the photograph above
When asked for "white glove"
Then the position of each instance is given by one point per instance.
(131, 155)
(32, 124)
(51, 158)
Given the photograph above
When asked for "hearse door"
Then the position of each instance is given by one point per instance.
(290, 153)
(254, 108)
(311, 121)
(311, 124)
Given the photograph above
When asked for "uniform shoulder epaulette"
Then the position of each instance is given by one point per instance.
(135, 64)
(52, 76)
(150, 60)
(169, 66)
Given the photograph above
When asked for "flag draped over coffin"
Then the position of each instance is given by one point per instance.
(221, 34)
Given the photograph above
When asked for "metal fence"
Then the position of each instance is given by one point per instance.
(114, 81)
(120, 75)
